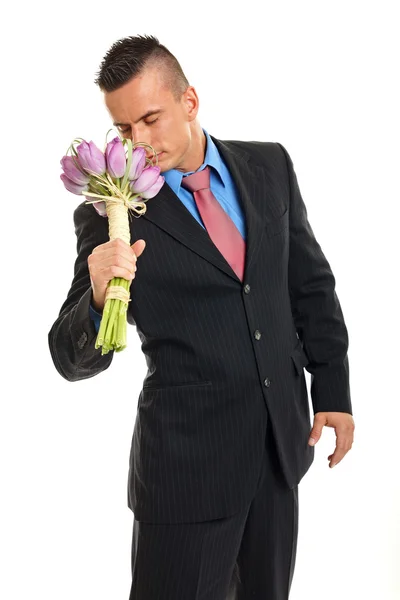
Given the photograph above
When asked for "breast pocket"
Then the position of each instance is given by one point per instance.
(276, 226)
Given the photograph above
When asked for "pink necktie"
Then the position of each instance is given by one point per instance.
(220, 227)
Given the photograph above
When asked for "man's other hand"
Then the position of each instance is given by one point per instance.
(344, 429)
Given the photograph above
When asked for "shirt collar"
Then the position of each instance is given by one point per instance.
(212, 158)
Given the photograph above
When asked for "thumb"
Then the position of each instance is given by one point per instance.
(138, 247)
(316, 430)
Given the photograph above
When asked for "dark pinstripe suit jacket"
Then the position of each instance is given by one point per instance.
(222, 354)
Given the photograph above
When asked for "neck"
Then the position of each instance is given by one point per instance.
(194, 158)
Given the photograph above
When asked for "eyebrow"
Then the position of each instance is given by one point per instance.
(148, 114)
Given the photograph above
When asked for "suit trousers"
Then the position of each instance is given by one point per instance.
(248, 555)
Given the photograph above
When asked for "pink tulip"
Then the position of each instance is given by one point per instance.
(155, 188)
(147, 178)
(91, 159)
(72, 171)
(138, 162)
(99, 206)
(72, 186)
(115, 158)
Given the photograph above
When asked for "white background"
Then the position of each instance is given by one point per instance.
(320, 78)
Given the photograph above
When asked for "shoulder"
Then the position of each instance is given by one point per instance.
(259, 151)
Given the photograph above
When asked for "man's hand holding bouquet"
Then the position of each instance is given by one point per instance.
(116, 181)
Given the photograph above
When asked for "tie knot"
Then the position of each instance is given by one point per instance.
(197, 181)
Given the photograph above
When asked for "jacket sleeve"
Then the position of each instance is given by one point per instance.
(73, 335)
(316, 309)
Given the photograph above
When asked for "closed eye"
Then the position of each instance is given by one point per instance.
(147, 123)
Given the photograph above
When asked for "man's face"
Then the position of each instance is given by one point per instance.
(168, 130)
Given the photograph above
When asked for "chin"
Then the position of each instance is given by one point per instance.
(164, 164)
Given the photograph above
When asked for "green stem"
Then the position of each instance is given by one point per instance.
(113, 325)
(122, 320)
(109, 336)
(103, 324)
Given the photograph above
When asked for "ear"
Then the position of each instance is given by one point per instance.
(191, 101)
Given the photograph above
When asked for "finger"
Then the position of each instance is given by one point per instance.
(109, 256)
(125, 249)
(112, 256)
(109, 273)
(316, 431)
(343, 445)
(115, 247)
(138, 247)
(107, 269)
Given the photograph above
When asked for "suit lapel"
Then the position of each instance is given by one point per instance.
(169, 213)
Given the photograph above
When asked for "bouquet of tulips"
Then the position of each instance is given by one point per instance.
(114, 181)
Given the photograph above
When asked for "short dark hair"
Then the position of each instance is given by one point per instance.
(130, 56)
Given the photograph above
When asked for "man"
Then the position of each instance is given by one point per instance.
(232, 299)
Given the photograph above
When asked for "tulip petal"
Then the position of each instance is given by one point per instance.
(91, 159)
(115, 158)
(100, 207)
(147, 178)
(154, 189)
(138, 162)
(72, 171)
(73, 187)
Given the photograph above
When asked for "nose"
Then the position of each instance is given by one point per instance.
(138, 135)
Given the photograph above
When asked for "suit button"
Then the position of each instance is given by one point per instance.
(247, 289)
(257, 334)
(82, 340)
(267, 382)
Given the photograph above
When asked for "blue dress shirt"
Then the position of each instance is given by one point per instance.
(222, 185)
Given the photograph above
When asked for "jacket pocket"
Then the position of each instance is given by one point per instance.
(159, 386)
(299, 358)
